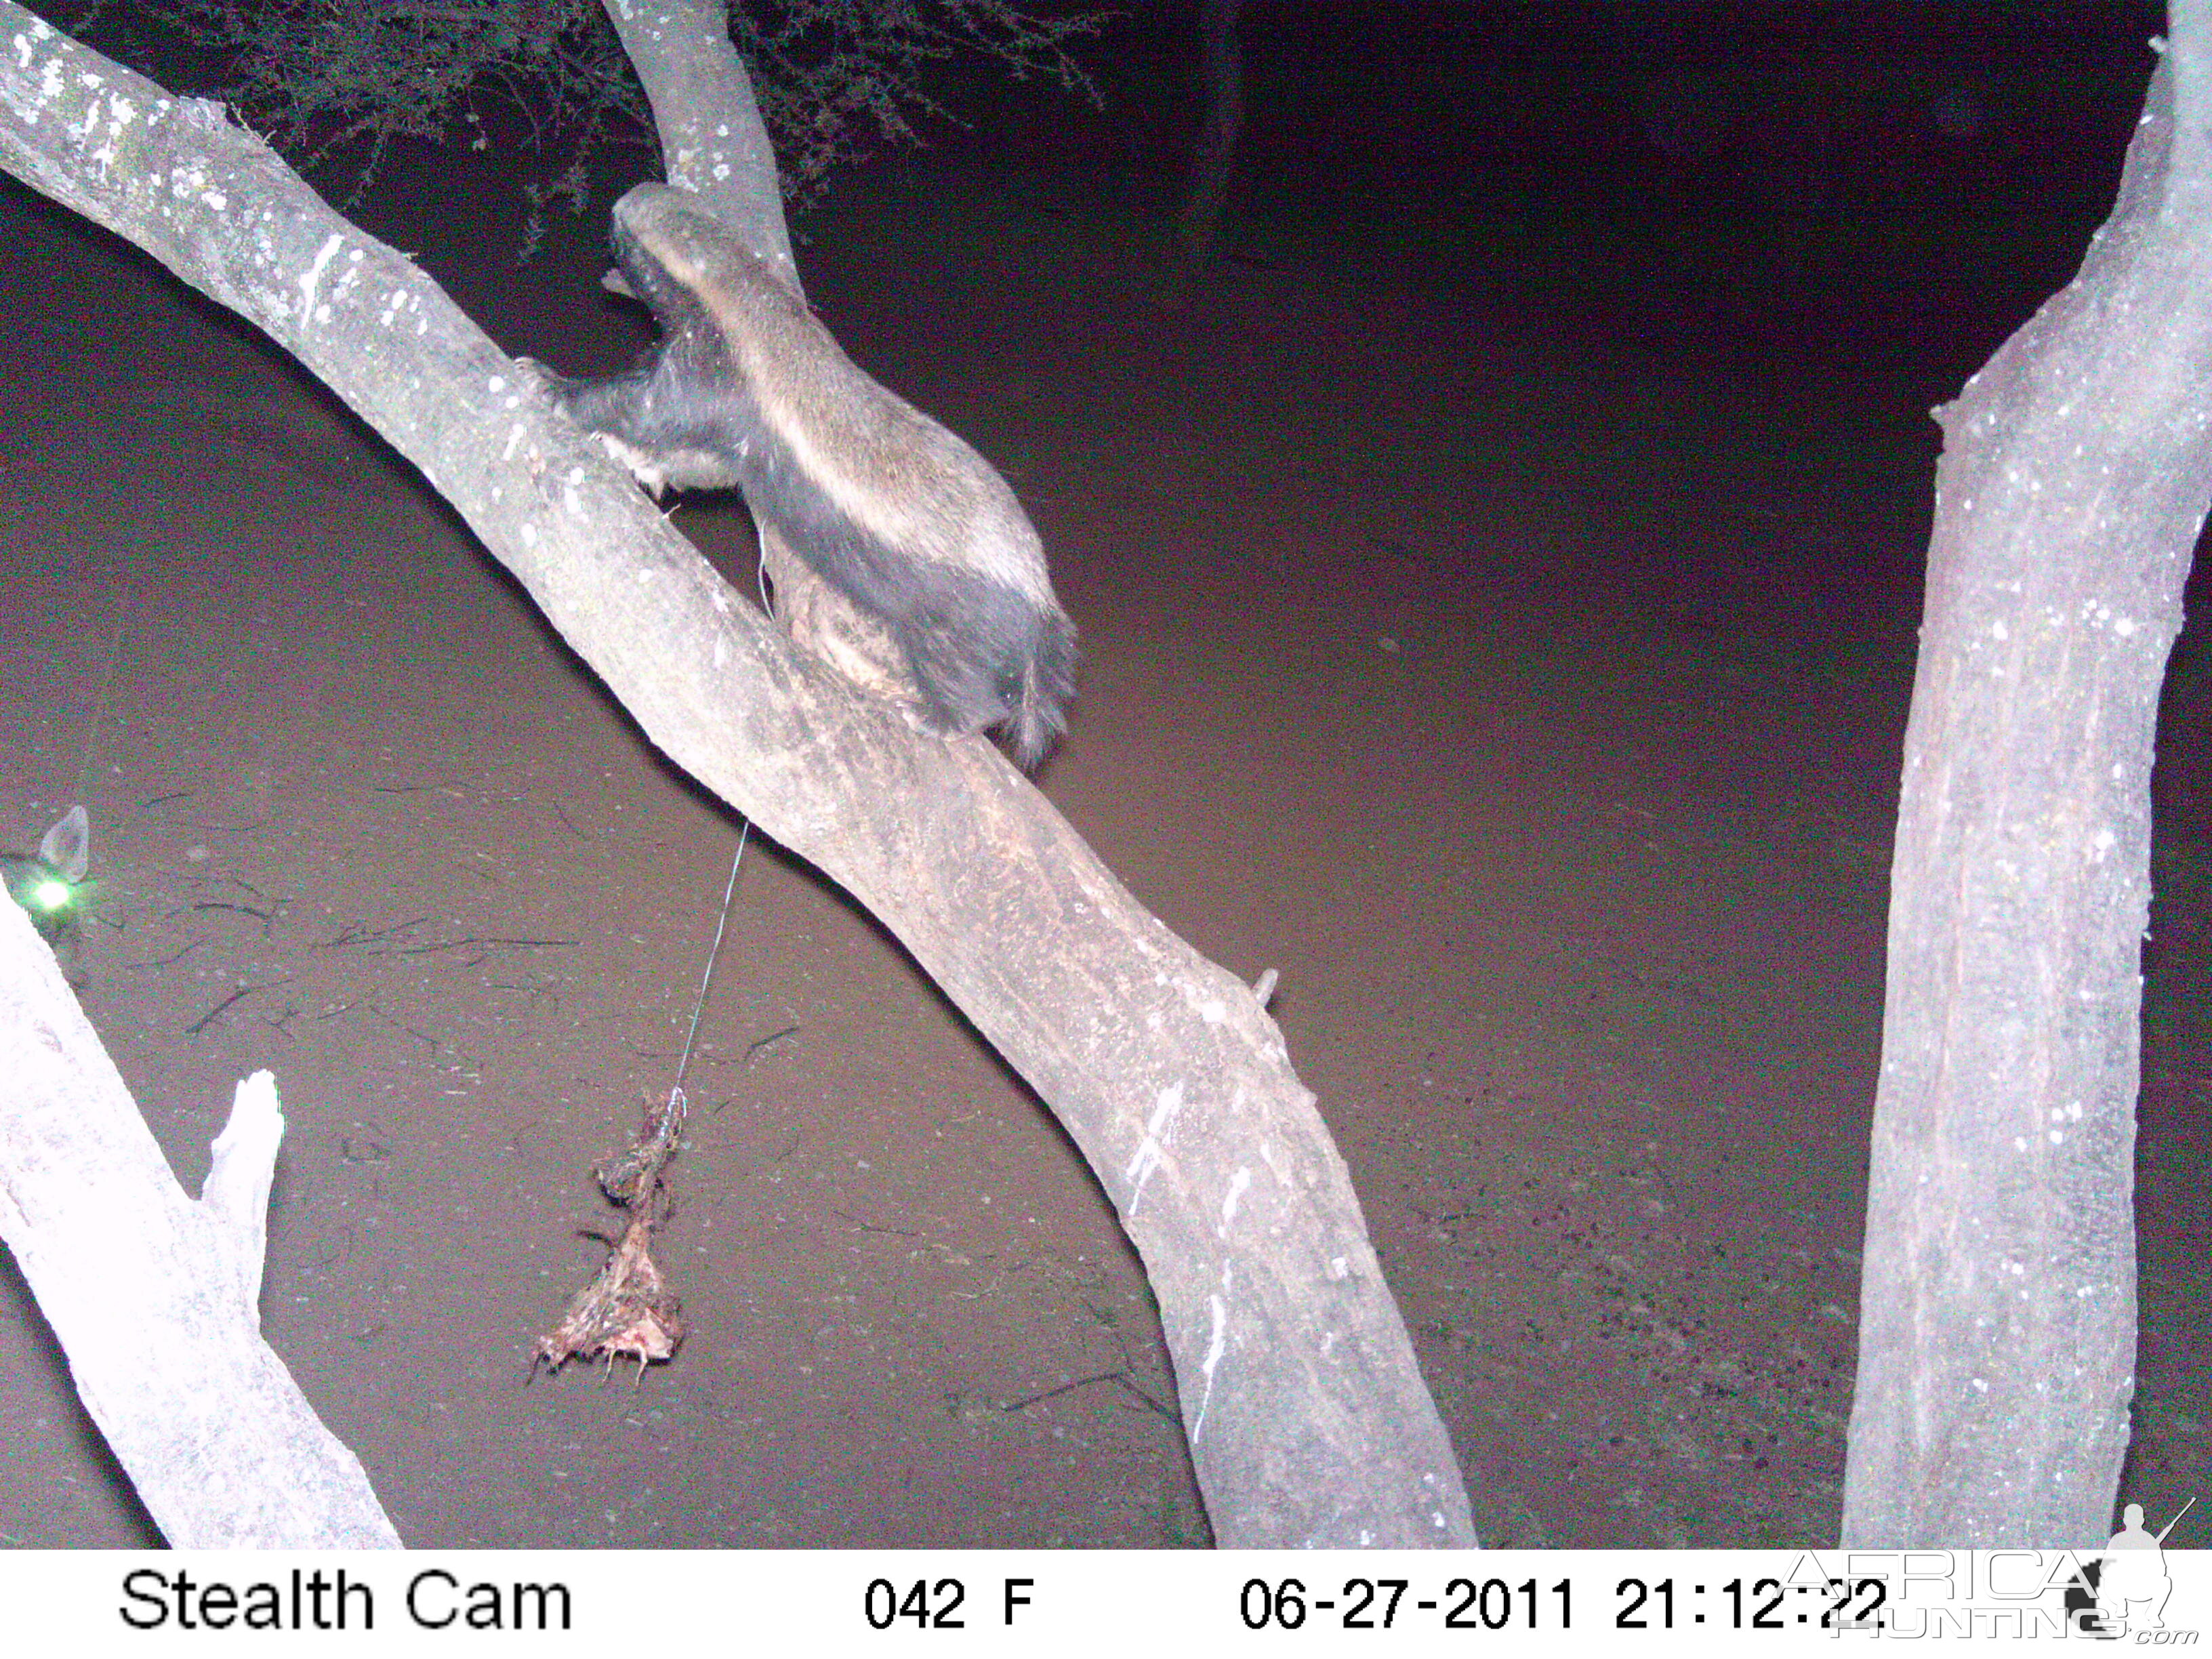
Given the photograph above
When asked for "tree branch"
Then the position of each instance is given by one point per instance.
(155, 1297)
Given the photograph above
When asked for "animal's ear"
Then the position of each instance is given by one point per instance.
(67, 847)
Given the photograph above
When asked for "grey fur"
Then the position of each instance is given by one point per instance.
(749, 390)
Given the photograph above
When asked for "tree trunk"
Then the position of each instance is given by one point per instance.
(155, 1297)
(1307, 1418)
(1997, 1327)
(1221, 75)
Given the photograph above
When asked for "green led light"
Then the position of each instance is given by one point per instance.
(53, 896)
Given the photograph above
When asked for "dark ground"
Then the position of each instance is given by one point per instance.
(1498, 605)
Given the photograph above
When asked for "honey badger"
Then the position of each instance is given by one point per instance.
(748, 391)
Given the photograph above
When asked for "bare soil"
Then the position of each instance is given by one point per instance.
(1522, 675)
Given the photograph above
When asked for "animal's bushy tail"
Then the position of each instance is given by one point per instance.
(1048, 682)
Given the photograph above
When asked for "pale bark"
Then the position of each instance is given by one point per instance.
(1997, 1326)
(155, 1297)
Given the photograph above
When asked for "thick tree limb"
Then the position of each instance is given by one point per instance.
(1308, 1420)
(155, 1297)
(712, 140)
(1997, 1333)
